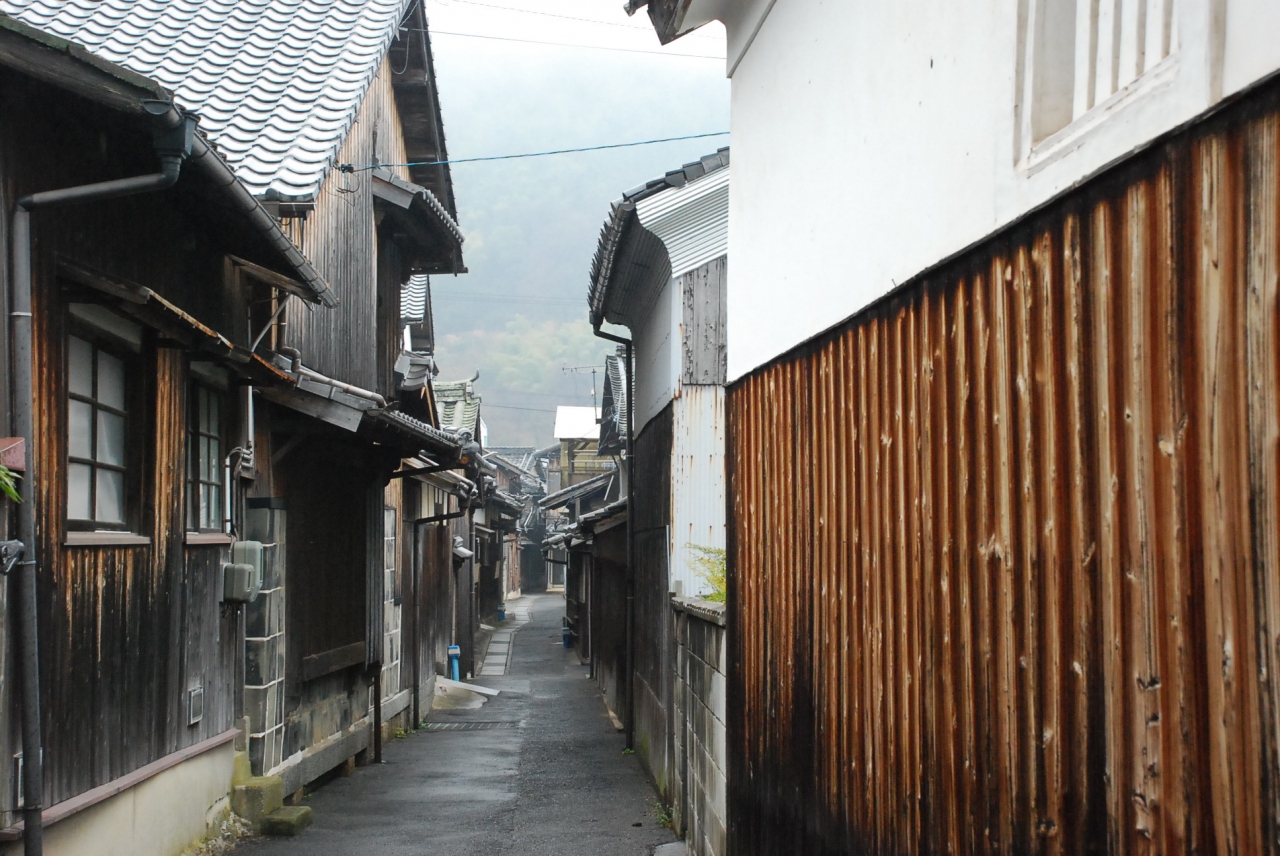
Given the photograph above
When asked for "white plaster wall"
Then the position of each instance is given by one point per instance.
(159, 817)
(697, 482)
(657, 355)
(873, 140)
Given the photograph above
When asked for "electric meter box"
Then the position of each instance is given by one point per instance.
(242, 577)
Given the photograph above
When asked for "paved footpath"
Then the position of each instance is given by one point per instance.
(542, 773)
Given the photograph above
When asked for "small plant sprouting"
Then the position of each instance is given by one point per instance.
(9, 483)
(663, 815)
(628, 751)
(709, 564)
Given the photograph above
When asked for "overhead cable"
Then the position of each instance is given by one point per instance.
(350, 167)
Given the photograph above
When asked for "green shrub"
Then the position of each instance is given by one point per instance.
(709, 564)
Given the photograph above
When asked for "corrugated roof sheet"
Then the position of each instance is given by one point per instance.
(614, 283)
(692, 221)
(276, 82)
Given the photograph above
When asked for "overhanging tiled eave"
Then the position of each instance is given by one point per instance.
(421, 223)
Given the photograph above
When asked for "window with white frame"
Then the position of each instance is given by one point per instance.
(205, 498)
(1083, 54)
(97, 436)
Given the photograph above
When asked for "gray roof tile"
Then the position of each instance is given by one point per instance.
(275, 82)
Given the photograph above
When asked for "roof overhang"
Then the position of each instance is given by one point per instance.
(632, 264)
(71, 68)
(420, 221)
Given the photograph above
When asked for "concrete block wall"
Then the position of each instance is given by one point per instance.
(698, 739)
(264, 647)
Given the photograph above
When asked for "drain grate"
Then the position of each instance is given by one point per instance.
(470, 726)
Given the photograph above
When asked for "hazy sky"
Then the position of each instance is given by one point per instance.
(531, 225)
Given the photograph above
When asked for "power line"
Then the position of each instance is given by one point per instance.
(349, 167)
(568, 17)
(568, 45)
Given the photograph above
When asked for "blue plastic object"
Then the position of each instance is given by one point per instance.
(455, 654)
(502, 612)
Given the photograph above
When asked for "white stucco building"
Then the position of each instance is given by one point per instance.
(925, 127)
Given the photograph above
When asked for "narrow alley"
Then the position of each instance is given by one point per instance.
(537, 769)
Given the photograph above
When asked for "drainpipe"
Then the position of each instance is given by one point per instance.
(173, 145)
(631, 536)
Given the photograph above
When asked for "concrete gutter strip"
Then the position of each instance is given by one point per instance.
(89, 798)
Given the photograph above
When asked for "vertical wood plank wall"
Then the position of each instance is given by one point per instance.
(339, 237)
(1005, 548)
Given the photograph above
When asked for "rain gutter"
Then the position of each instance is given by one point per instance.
(173, 143)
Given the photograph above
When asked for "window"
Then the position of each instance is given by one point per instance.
(97, 435)
(204, 460)
(389, 554)
(1086, 53)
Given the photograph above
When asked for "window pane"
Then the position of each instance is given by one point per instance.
(213, 508)
(215, 460)
(79, 479)
(110, 381)
(110, 438)
(211, 417)
(79, 429)
(110, 495)
(80, 366)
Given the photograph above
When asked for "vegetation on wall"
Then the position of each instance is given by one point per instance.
(709, 564)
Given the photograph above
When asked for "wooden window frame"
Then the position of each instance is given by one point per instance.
(195, 482)
(131, 469)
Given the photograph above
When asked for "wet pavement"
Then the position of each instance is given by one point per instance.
(538, 769)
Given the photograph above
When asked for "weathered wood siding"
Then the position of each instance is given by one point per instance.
(125, 631)
(339, 237)
(1005, 548)
(703, 344)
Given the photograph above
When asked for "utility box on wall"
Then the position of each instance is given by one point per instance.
(242, 577)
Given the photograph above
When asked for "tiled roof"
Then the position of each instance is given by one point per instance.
(276, 83)
(458, 405)
(416, 370)
(413, 298)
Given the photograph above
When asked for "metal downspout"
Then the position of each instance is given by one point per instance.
(172, 148)
(631, 538)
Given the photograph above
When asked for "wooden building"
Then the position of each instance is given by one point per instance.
(200, 383)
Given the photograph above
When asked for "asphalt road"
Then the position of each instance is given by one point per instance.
(552, 780)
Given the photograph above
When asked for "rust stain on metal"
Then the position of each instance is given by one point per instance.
(1004, 549)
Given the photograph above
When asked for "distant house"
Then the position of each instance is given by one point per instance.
(276, 424)
(577, 430)
(1003, 566)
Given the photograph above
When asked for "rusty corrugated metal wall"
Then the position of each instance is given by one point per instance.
(1004, 548)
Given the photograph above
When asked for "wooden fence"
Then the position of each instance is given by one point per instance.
(1004, 547)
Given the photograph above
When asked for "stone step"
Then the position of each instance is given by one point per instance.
(288, 821)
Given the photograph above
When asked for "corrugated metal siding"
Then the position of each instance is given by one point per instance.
(1004, 549)
(692, 221)
(697, 480)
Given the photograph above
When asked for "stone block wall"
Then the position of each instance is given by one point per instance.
(698, 726)
(264, 647)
